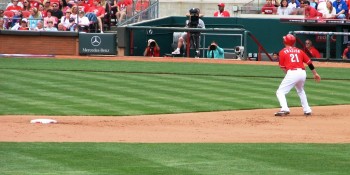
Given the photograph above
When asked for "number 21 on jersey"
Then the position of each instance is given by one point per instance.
(294, 58)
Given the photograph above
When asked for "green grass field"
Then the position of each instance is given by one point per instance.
(91, 87)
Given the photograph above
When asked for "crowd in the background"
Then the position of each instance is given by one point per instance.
(327, 9)
(61, 15)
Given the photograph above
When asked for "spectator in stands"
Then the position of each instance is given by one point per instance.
(56, 11)
(49, 17)
(2, 24)
(182, 36)
(16, 19)
(65, 19)
(214, 51)
(35, 3)
(2, 13)
(310, 12)
(62, 5)
(72, 27)
(121, 12)
(329, 12)
(82, 6)
(222, 12)
(96, 14)
(152, 49)
(299, 10)
(341, 9)
(47, 5)
(19, 3)
(26, 5)
(22, 26)
(276, 3)
(42, 10)
(74, 13)
(268, 8)
(15, 7)
(283, 9)
(50, 26)
(60, 27)
(313, 3)
(34, 18)
(293, 4)
(39, 26)
(83, 21)
(311, 49)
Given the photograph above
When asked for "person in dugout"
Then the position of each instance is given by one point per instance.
(152, 49)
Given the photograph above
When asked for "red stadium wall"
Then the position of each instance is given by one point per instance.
(39, 45)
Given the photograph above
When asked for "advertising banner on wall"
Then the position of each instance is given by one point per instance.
(97, 43)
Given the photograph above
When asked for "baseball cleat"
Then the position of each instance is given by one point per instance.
(307, 114)
(282, 113)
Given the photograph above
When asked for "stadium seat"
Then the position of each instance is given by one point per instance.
(26, 14)
(9, 13)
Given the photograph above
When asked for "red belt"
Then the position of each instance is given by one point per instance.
(297, 69)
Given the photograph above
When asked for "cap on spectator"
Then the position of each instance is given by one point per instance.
(25, 20)
(221, 4)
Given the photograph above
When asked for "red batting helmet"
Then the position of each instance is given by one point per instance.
(289, 39)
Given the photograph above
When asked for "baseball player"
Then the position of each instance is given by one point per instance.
(292, 61)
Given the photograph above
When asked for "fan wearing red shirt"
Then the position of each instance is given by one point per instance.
(15, 7)
(292, 61)
(268, 8)
(98, 11)
(222, 12)
(311, 12)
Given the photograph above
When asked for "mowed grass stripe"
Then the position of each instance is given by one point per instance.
(51, 99)
(79, 97)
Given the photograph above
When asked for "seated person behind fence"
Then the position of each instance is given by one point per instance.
(214, 51)
(346, 52)
(72, 27)
(61, 27)
(22, 26)
(329, 12)
(312, 50)
(268, 8)
(341, 9)
(152, 49)
(50, 26)
(283, 9)
(39, 26)
(275, 57)
(34, 18)
(182, 36)
(222, 12)
(83, 21)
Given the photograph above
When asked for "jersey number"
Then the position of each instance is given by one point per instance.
(293, 58)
